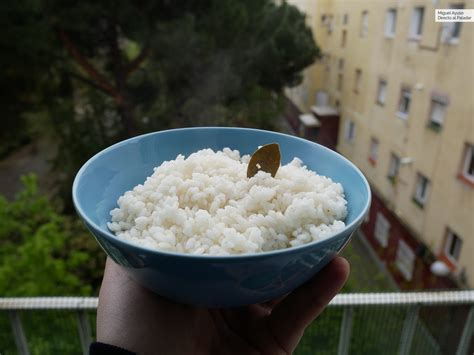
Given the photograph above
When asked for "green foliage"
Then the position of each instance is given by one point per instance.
(60, 336)
(42, 252)
(202, 55)
(225, 65)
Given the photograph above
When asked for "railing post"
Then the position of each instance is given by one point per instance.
(84, 330)
(345, 332)
(408, 330)
(18, 333)
(466, 333)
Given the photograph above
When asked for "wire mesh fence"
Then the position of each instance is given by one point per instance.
(391, 323)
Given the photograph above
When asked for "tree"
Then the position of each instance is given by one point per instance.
(107, 70)
(180, 55)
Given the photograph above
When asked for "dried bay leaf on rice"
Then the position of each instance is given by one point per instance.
(266, 158)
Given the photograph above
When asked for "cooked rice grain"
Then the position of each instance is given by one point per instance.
(205, 204)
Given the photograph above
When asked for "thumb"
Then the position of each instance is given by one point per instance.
(290, 318)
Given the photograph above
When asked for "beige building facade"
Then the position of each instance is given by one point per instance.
(403, 86)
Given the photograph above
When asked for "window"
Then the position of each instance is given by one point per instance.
(467, 168)
(327, 62)
(358, 76)
(345, 19)
(390, 23)
(421, 190)
(374, 150)
(364, 24)
(437, 112)
(339, 82)
(405, 260)
(452, 246)
(343, 38)
(382, 228)
(404, 104)
(341, 64)
(393, 167)
(322, 98)
(381, 92)
(416, 24)
(350, 131)
(452, 30)
(330, 24)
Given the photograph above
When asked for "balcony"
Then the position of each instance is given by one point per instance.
(357, 323)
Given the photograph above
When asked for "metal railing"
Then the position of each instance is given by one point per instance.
(399, 323)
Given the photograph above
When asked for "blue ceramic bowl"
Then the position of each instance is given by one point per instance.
(214, 281)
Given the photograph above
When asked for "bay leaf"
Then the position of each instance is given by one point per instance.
(266, 158)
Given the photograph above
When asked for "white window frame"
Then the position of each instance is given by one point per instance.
(374, 150)
(321, 98)
(350, 131)
(340, 64)
(437, 120)
(330, 25)
(405, 93)
(422, 189)
(382, 229)
(416, 22)
(450, 237)
(345, 19)
(452, 30)
(327, 62)
(466, 163)
(390, 23)
(364, 24)
(381, 91)
(405, 260)
(394, 166)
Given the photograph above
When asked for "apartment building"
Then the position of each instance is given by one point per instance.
(401, 85)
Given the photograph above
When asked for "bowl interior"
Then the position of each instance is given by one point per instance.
(107, 175)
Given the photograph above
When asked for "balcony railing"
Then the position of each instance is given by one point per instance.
(364, 323)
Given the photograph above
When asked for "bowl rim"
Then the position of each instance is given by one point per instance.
(125, 243)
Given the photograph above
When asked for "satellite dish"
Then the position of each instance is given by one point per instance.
(439, 268)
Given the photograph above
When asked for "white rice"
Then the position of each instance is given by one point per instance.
(205, 204)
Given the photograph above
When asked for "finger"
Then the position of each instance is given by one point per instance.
(289, 319)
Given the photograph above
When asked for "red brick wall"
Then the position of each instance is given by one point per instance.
(328, 132)
(325, 135)
(422, 276)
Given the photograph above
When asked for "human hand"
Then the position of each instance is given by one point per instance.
(134, 318)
